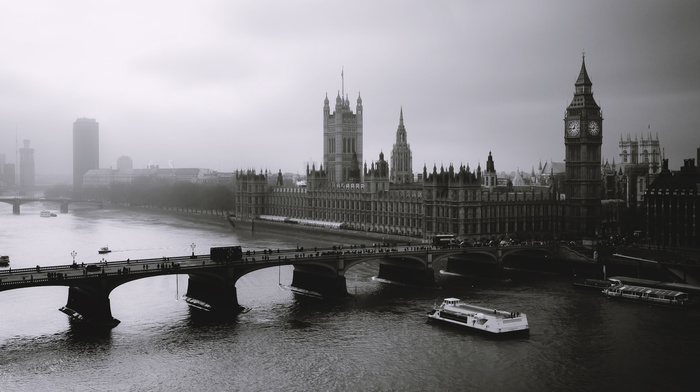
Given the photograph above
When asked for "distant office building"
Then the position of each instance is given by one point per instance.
(124, 163)
(107, 177)
(86, 148)
(401, 159)
(3, 181)
(27, 177)
(9, 175)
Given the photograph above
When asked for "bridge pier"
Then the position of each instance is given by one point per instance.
(90, 304)
(64, 207)
(214, 294)
(15, 208)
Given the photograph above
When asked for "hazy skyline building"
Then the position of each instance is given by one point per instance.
(124, 163)
(86, 148)
(27, 174)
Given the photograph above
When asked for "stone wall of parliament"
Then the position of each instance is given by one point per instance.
(445, 202)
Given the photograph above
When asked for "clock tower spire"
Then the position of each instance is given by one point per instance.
(583, 138)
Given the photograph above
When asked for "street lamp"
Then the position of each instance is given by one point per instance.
(73, 253)
(193, 246)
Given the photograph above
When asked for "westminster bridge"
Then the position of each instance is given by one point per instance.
(16, 202)
(211, 282)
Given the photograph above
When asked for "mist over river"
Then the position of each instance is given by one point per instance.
(377, 339)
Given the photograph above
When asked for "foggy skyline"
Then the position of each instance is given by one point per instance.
(237, 86)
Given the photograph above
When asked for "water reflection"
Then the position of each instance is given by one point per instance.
(375, 340)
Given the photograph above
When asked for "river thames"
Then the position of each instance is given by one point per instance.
(377, 339)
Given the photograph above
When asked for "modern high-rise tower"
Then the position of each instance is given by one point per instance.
(27, 175)
(86, 148)
(342, 139)
(401, 159)
(583, 137)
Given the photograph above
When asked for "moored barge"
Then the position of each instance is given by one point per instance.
(644, 294)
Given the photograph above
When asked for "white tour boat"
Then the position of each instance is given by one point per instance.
(45, 214)
(646, 294)
(494, 321)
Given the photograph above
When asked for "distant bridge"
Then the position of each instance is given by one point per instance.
(211, 283)
(64, 202)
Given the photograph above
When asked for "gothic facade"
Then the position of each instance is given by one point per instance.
(672, 216)
(342, 139)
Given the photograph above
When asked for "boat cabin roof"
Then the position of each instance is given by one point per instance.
(648, 290)
(451, 301)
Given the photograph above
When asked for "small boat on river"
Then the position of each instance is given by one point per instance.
(492, 321)
(4, 261)
(593, 283)
(47, 214)
(642, 294)
(104, 249)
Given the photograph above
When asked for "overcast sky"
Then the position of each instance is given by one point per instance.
(232, 85)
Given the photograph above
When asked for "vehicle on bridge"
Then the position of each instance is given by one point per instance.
(493, 321)
(226, 253)
(445, 240)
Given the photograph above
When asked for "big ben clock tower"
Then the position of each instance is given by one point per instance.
(583, 138)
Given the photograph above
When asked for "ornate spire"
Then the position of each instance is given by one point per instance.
(583, 79)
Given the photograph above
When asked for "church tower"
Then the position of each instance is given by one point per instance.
(401, 159)
(583, 138)
(342, 137)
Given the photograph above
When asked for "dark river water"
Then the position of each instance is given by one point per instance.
(375, 340)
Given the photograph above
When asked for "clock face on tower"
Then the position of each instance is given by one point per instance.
(572, 128)
(593, 128)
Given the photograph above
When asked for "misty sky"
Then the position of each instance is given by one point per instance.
(233, 85)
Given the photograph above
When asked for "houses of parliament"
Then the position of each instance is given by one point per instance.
(581, 198)
(472, 203)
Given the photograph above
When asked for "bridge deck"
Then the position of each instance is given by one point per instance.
(66, 275)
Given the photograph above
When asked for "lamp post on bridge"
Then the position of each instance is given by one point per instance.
(73, 253)
(193, 246)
